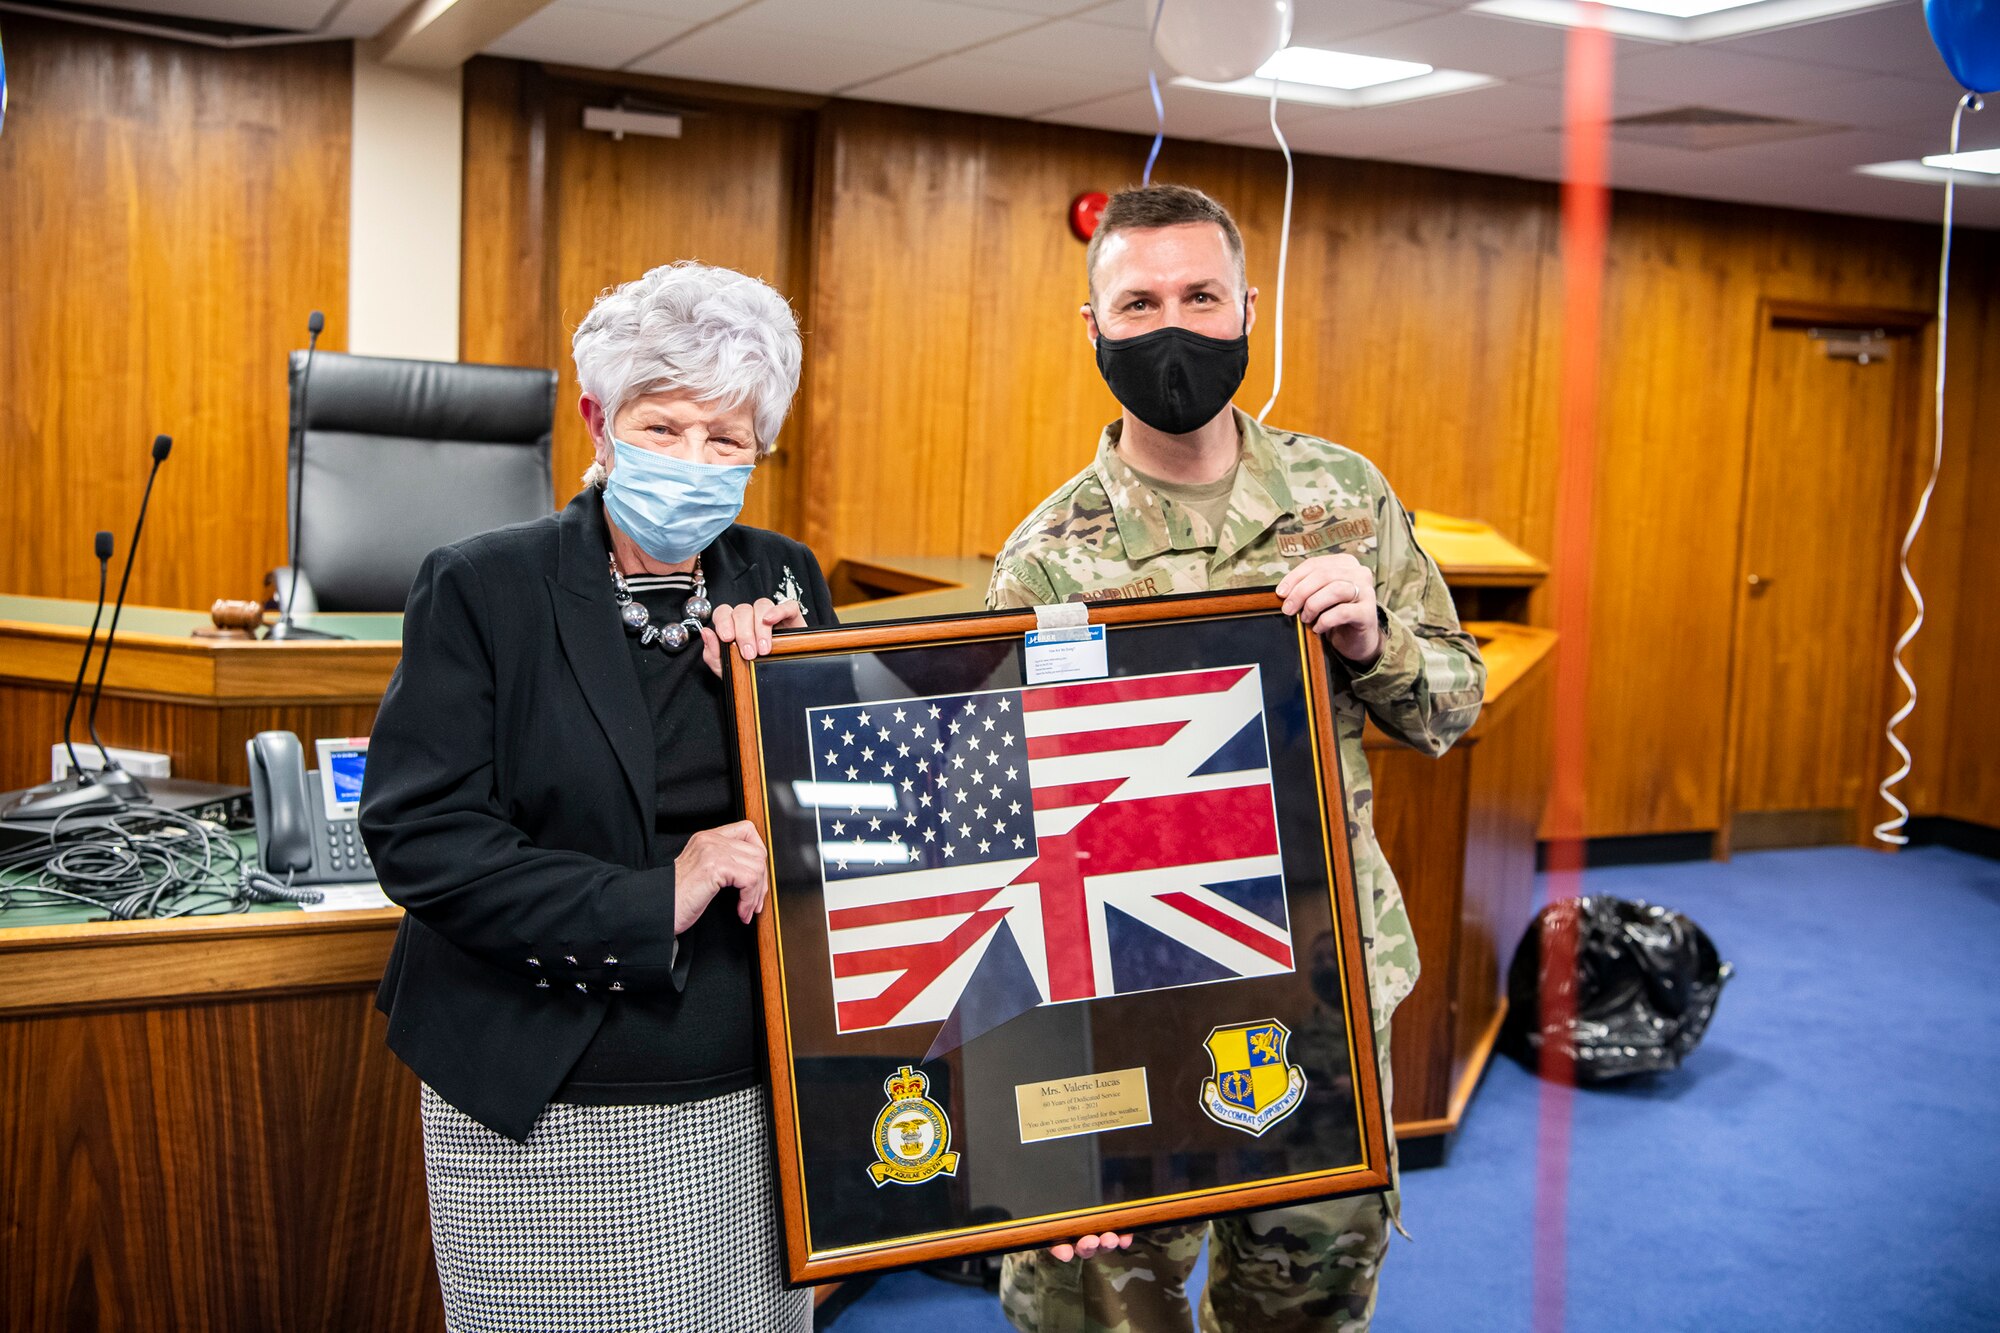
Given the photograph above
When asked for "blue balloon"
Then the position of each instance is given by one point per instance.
(1967, 33)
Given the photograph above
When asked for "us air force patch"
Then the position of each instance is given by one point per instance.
(912, 1134)
(1254, 1085)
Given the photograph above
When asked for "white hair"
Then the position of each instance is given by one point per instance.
(716, 333)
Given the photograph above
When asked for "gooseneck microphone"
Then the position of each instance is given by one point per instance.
(117, 779)
(285, 629)
(78, 792)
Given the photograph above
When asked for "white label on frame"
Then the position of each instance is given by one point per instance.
(1065, 654)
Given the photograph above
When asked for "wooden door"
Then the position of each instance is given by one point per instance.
(1824, 511)
(730, 191)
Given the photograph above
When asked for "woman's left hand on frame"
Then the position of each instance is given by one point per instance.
(748, 627)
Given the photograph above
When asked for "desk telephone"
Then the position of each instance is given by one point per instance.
(306, 817)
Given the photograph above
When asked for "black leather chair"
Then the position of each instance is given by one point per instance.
(401, 457)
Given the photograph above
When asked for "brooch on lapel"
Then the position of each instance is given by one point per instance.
(789, 590)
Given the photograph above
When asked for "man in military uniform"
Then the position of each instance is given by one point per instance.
(1187, 494)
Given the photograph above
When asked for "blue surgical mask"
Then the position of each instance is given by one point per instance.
(672, 508)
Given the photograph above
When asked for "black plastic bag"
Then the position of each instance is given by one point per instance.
(1646, 982)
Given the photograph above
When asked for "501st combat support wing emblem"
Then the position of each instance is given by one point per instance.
(1254, 1085)
(912, 1135)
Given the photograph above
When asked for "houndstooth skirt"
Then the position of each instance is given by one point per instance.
(610, 1217)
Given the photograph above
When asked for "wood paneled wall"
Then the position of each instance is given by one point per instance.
(1966, 729)
(948, 340)
(168, 216)
(194, 203)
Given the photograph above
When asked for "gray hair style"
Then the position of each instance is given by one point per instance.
(716, 333)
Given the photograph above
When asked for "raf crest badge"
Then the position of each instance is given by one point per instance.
(912, 1135)
(1254, 1085)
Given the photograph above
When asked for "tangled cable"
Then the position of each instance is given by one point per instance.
(141, 865)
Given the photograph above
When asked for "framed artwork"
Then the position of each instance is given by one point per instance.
(1062, 934)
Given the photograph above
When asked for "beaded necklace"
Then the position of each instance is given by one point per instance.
(638, 620)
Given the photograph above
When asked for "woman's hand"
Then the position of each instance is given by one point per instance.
(748, 627)
(1089, 1245)
(729, 857)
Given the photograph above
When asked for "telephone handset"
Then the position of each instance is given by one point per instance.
(306, 817)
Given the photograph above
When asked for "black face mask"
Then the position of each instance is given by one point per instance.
(1174, 379)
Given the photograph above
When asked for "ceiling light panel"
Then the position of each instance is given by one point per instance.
(1680, 9)
(1674, 20)
(1924, 174)
(1336, 69)
(1985, 160)
(1437, 83)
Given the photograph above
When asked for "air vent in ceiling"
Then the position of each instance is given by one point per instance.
(1706, 127)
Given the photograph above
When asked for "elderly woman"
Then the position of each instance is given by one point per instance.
(549, 796)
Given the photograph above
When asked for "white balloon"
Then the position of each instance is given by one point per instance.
(1221, 41)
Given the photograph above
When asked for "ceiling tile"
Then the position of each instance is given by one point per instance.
(928, 26)
(1883, 41)
(698, 10)
(1706, 76)
(1352, 134)
(1478, 113)
(291, 15)
(1479, 43)
(1324, 25)
(1824, 188)
(567, 34)
(1922, 203)
(1315, 17)
(1122, 14)
(1043, 8)
(366, 18)
(977, 82)
(1863, 101)
(1191, 113)
(729, 52)
(1843, 152)
(1535, 154)
(1120, 58)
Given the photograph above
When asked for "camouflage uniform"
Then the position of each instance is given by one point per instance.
(1106, 534)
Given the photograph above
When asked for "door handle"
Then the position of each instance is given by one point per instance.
(1758, 582)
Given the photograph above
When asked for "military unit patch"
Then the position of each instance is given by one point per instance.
(1254, 1086)
(912, 1135)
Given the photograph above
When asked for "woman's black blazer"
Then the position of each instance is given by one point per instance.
(509, 805)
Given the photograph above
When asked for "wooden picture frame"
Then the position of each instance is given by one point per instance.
(983, 1053)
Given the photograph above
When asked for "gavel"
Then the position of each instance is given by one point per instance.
(232, 619)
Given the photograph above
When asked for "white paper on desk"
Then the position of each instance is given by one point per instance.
(348, 898)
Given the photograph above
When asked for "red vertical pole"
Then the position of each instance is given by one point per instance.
(1586, 212)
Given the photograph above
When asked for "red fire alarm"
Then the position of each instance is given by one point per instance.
(1084, 212)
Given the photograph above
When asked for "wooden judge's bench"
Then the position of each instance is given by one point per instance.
(202, 1127)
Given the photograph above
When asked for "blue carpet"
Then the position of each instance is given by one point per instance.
(1829, 1159)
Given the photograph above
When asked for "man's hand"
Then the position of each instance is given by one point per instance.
(748, 627)
(729, 857)
(1089, 1245)
(1335, 594)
